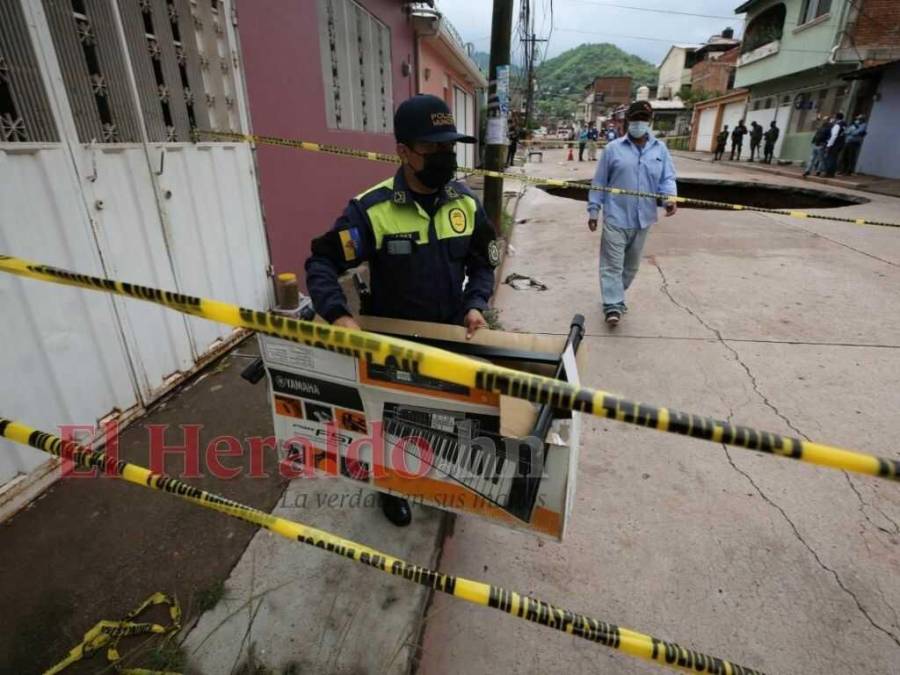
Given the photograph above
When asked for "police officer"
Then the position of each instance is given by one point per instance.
(430, 247)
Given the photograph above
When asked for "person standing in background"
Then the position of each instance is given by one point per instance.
(721, 142)
(638, 162)
(513, 142)
(835, 144)
(817, 156)
(593, 135)
(770, 137)
(756, 134)
(582, 143)
(737, 139)
(611, 133)
(856, 132)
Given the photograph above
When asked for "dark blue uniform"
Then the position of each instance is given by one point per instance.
(420, 249)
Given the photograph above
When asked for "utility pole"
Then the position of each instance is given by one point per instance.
(530, 50)
(498, 109)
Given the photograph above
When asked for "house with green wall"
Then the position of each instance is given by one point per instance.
(794, 55)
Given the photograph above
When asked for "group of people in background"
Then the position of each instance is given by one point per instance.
(588, 138)
(757, 136)
(836, 146)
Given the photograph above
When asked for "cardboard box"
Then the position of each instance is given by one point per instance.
(433, 442)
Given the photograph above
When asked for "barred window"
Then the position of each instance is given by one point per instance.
(94, 70)
(25, 113)
(182, 63)
(356, 67)
(184, 66)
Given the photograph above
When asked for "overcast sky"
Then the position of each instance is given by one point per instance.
(648, 34)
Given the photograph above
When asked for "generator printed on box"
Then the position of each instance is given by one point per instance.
(438, 443)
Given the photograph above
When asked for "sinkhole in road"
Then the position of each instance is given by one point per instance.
(746, 193)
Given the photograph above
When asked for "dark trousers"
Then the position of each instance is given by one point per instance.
(831, 160)
(849, 155)
(720, 150)
(581, 151)
(511, 153)
(754, 148)
(736, 145)
(769, 150)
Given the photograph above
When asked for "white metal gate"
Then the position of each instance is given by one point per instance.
(464, 114)
(780, 115)
(731, 115)
(706, 129)
(98, 173)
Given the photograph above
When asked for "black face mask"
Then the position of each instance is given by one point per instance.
(438, 170)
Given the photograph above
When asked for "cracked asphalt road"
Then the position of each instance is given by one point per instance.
(798, 432)
(785, 325)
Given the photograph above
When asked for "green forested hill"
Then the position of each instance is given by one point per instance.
(562, 79)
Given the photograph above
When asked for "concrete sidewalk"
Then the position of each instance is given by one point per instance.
(782, 324)
(92, 549)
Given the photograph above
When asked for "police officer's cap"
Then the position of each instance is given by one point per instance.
(426, 118)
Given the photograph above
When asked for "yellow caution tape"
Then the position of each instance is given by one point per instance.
(479, 593)
(565, 141)
(394, 159)
(109, 633)
(457, 369)
(561, 141)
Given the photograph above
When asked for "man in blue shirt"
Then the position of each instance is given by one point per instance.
(856, 132)
(639, 162)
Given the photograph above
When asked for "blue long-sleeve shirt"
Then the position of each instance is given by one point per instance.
(856, 132)
(625, 165)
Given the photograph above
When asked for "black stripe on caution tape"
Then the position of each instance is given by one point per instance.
(457, 369)
(381, 157)
(514, 604)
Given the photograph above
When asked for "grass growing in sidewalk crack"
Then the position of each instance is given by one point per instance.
(167, 656)
(209, 597)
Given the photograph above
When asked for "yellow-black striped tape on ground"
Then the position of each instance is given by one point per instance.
(394, 159)
(479, 593)
(457, 369)
(108, 633)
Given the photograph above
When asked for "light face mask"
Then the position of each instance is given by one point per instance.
(638, 128)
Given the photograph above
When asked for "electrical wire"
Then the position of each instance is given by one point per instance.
(670, 41)
(658, 11)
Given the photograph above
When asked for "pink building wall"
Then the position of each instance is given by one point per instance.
(304, 192)
(431, 60)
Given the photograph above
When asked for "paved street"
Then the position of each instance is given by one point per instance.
(175, 175)
(783, 324)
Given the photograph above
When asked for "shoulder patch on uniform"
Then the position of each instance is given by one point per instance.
(350, 243)
(450, 192)
(493, 253)
(458, 220)
(399, 197)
